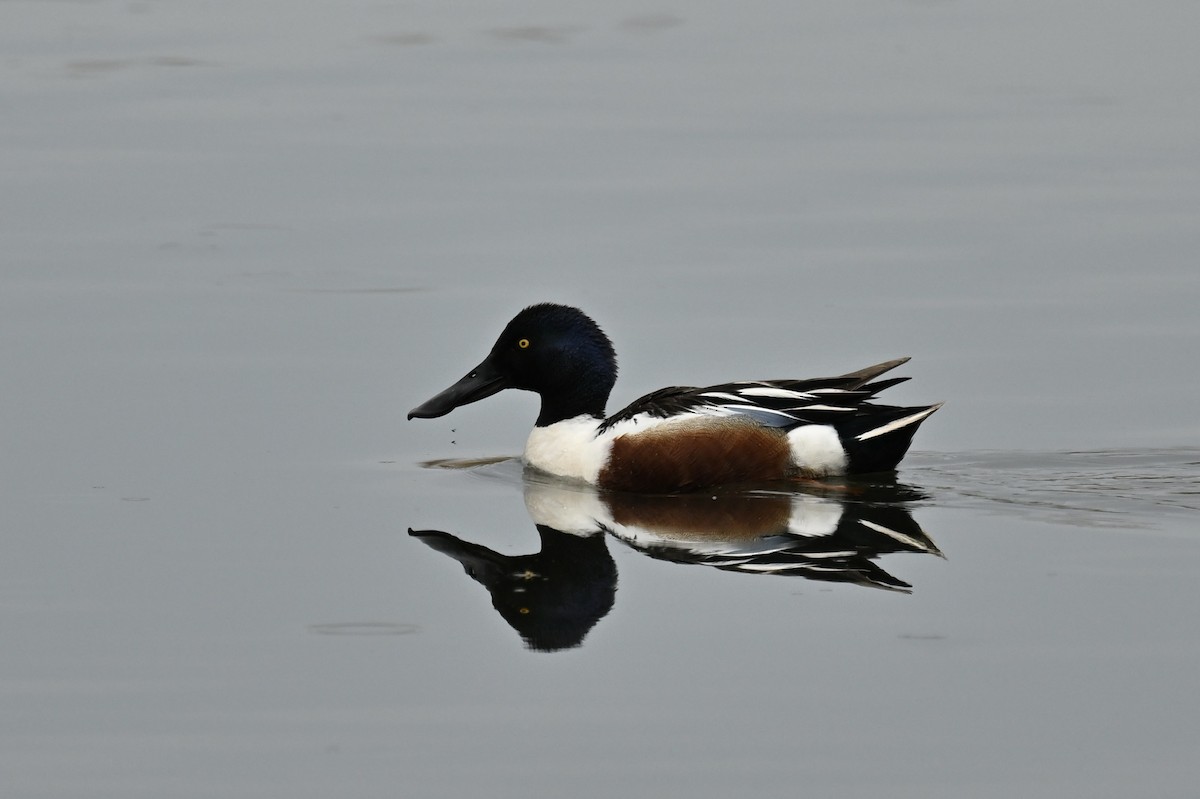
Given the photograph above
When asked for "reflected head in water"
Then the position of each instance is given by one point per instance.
(552, 597)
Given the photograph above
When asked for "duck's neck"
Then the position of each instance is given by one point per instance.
(580, 400)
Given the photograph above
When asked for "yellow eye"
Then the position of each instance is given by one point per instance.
(523, 343)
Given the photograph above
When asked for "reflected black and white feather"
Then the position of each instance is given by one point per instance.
(846, 554)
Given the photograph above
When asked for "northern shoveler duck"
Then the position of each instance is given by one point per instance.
(680, 438)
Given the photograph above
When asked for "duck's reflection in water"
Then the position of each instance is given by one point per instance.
(555, 596)
(551, 597)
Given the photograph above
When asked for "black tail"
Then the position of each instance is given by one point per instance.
(869, 373)
(879, 435)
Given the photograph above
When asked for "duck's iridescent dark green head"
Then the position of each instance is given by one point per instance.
(554, 350)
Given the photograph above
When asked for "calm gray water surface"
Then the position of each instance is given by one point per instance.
(242, 240)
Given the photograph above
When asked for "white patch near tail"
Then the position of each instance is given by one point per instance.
(896, 425)
(816, 449)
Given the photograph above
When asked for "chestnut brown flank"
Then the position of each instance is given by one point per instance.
(678, 456)
(724, 517)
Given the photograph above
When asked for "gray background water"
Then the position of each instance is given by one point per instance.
(241, 240)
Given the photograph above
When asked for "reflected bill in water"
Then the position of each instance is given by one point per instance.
(554, 596)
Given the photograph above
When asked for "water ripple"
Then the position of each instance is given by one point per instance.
(1108, 488)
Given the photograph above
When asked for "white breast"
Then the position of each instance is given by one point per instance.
(568, 449)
